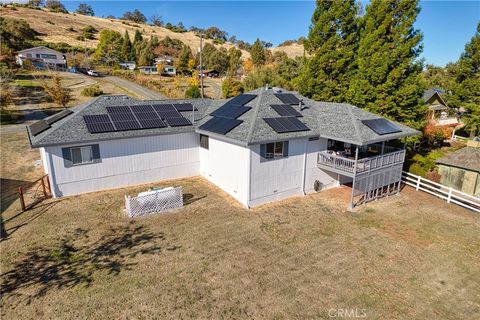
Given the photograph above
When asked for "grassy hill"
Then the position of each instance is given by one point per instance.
(54, 27)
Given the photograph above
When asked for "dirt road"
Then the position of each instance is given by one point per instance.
(135, 89)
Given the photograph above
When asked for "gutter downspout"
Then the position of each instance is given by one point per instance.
(249, 183)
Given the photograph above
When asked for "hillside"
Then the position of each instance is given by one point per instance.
(53, 27)
(292, 50)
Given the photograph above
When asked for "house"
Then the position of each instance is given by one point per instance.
(461, 169)
(148, 69)
(42, 58)
(438, 111)
(211, 73)
(128, 65)
(164, 59)
(169, 71)
(259, 147)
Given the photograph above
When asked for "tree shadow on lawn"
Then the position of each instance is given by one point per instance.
(71, 264)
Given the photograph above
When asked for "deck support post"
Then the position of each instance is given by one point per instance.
(354, 178)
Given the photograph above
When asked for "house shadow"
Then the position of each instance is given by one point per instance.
(75, 260)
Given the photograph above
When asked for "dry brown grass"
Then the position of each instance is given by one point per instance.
(53, 27)
(293, 50)
(406, 257)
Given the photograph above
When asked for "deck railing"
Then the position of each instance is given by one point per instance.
(350, 166)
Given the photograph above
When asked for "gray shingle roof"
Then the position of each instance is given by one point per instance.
(338, 121)
(72, 129)
(465, 158)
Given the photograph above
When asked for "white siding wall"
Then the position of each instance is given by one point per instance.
(43, 156)
(279, 178)
(226, 165)
(128, 162)
(313, 173)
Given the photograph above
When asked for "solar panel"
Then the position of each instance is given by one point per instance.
(169, 114)
(184, 107)
(118, 109)
(97, 123)
(142, 108)
(286, 110)
(58, 116)
(178, 122)
(241, 99)
(381, 126)
(127, 125)
(220, 125)
(287, 98)
(230, 111)
(152, 123)
(147, 115)
(164, 107)
(286, 124)
(38, 127)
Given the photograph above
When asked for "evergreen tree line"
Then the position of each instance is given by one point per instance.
(372, 61)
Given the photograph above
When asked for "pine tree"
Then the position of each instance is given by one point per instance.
(466, 91)
(183, 59)
(388, 81)
(332, 42)
(258, 53)
(127, 48)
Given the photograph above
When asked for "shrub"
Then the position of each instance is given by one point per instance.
(71, 29)
(92, 91)
(417, 169)
(193, 91)
(231, 88)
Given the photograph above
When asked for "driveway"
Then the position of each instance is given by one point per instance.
(141, 91)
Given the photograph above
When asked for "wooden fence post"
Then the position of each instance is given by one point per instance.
(22, 200)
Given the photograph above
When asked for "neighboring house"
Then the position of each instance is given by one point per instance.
(169, 71)
(148, 69)
(164, 60)
(42, 58)
(438, 111)
(128, 65)
(212, 73)
(258, 147)
(461, 169)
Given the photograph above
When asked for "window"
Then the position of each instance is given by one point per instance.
(274, 150)
(204, 141)
(48, 56)
(29, 55)
(38, 55)
(82, 155)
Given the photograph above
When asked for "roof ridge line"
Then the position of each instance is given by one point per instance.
(355, 124)
(252, 126)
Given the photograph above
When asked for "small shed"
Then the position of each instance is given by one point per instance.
(461, 170)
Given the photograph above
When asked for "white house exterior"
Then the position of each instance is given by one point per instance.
(251, 161)
(42, 58)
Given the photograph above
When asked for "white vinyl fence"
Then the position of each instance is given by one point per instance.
(459, 138)
(446, 193)
(154, 202)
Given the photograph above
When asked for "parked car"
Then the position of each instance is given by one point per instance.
(93, 73)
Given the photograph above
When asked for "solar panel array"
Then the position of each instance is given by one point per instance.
(225, 118)
(241, 100)
(38, 127)
(58, 116)
(287, 98)
(381, 126)
(184, 107)
(220, 125)
(42, 125)
(286, 110)
(230, 111)
(126, 118)
(286, 124)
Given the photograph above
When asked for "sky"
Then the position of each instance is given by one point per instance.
(446, 25)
